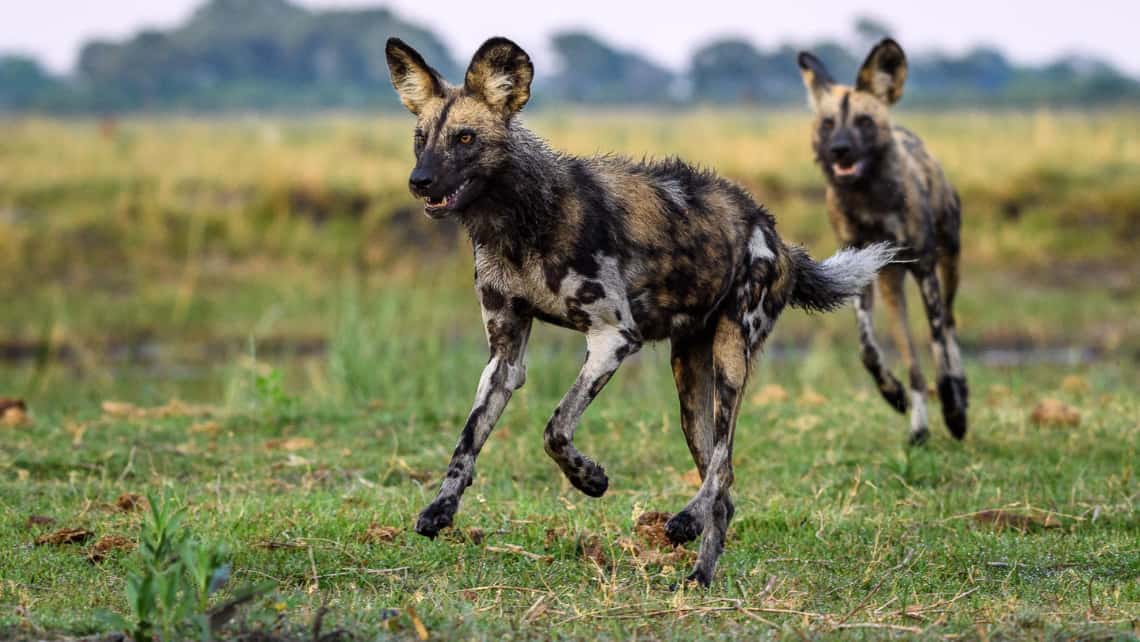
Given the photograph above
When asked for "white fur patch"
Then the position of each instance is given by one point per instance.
(953, 356)
(497, 88)
(758, 245)
(759, 322)
(867, 329)
(674, 192)
(603, 345)
(918, 419)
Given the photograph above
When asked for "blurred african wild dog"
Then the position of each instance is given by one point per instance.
(884, 186)
(623, 251)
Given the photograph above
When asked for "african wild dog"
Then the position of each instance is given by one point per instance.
(884, 186)
(623, 251)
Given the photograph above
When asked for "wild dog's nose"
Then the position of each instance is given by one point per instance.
(420, 179)
(840, 149)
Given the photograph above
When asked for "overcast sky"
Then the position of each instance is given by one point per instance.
(668, 32)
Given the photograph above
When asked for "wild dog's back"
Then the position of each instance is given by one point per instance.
(930, 186)
(689, 235)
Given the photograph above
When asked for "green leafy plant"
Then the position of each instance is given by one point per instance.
(169, 592)
(270, 394)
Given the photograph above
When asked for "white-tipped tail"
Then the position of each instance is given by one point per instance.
(829, 284)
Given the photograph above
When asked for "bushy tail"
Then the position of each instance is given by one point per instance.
(826, 286)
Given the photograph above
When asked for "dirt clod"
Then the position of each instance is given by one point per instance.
(39, 520)
(65, 536)
(770, 393)
(106, 545)
(1053, 412)
(650, 528)
(1002, 519)
(291, 444)
(377, 534)
(130, 502)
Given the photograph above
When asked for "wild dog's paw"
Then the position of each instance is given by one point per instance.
(954, 394)
(918, 437)
(682, 528)
(955, 421)
(437, 516)
(894, 393)
(699, 577)
(590, 478)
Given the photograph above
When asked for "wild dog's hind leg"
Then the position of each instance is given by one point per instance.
(947, 357)
(948, 279)
(872, 357)
(712, 505)
(692, 361)
(606, 348)
(894, 298)
(507, 331)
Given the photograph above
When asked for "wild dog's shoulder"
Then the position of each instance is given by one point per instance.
(911, 147)
(925, 170)
(907, 140)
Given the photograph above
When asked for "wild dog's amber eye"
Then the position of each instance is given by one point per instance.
(863, 122)
(467, 138)
(827, 124)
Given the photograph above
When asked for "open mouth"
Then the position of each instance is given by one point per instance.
(447, 202)
(847, 170)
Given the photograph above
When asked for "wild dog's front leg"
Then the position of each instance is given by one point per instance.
(947, 357)
(606, 348)
(507, 332)
(872, 357)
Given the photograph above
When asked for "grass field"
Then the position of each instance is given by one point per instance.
(289, 350)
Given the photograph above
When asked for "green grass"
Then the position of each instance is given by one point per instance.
(855, 529)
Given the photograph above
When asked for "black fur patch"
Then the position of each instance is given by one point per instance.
(590, 291)
(493, 300)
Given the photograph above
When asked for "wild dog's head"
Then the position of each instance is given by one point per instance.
(852, 131)
(461, 133)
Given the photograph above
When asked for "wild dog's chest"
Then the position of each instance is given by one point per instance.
(880, 215)
(555, 291)
(878, 225)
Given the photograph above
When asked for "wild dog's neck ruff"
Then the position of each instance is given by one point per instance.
(518, 208)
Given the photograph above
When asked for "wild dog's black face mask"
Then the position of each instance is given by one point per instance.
(852, 129)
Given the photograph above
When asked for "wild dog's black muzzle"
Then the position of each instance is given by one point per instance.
(420, 180)
(842, 147)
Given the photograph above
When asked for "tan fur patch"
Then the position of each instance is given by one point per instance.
(645, 212)
(471, 113)
(415, 84)
(729, 352)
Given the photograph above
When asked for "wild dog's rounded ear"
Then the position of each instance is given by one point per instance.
(500, 74)
(817, 80)
(884, 72)
(416, 82)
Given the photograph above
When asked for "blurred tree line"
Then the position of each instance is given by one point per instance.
(273, 55)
